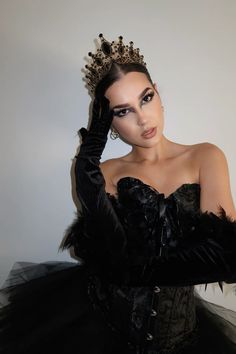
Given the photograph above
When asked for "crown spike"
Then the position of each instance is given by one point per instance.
(108, 53)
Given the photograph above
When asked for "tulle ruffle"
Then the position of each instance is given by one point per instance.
(46, 307)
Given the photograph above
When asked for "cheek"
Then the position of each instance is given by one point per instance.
(154, 107)
(123, 127)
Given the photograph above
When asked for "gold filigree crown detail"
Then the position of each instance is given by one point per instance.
(108, 53)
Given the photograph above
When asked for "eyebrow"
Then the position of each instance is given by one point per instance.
(127, 104)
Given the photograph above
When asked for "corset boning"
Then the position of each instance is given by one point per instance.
(174, 322)
(159, 319)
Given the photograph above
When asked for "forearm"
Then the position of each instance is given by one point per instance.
(90, 185)
(200, 265)
(205, 254)
(96, 233)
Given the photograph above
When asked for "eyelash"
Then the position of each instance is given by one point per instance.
(116, 113)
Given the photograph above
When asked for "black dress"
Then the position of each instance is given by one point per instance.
(68, 307)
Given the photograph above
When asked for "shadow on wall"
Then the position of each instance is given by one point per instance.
(213, 294)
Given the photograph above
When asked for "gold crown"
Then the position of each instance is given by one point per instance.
(106, 55)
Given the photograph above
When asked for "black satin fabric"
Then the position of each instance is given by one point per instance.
(78, 308)
(144, 211)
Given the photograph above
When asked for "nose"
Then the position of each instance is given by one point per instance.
(141, 117)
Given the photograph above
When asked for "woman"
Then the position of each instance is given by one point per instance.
(151, 225)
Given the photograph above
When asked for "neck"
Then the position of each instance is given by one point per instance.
(156, 153)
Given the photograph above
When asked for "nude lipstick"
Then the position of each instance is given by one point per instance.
(150, 133)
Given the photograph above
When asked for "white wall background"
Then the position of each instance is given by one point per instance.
(190, 50)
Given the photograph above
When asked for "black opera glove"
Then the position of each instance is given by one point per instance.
(97, 231)
(206, 253)
(90, 183)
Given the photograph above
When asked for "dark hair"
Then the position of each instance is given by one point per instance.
(115, 73)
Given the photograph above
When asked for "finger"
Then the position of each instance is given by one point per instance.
(83, 132)
(96, 108)
(105, 106)
(105, 101)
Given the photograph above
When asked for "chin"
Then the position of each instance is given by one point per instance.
(150, 141)
(141, 141)
(146, 144)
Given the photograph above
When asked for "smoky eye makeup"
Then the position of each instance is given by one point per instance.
(149, 94)
(121, 112)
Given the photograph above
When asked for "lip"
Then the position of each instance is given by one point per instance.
(150, 133)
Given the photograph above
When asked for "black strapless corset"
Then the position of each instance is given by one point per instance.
(77, 308)
(145, 193)
(162, 318)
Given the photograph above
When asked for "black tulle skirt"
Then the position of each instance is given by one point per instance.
(45, 308)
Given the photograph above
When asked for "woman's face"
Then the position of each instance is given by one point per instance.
(139, 108)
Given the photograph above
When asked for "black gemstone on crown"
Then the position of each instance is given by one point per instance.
(106, 48)
(106, 55)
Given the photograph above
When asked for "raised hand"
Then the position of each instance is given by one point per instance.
(97, 232)
(94, 139)
(90, 183)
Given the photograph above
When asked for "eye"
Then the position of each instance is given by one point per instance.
(119, 113)
(150, 94)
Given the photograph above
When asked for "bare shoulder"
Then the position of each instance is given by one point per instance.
(206, 151)
(110, 164)
(109, 168)
(215, 180)
(214, 170)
